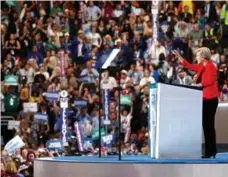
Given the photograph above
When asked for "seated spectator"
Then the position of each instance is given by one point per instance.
(124, 79)
(210, 36)
(195, 38)
(154, 56)
(147, 79)
(108, 40)
(182, 78)
(215, 57)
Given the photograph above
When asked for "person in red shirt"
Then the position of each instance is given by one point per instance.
(206, 77)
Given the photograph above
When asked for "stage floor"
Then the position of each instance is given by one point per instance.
(137, 159)
(130, 166)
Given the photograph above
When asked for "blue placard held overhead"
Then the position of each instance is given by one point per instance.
(41, 117)
(79, 103)
(52, 96)
(53, 145)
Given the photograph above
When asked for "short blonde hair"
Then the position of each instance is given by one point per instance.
(204, 52)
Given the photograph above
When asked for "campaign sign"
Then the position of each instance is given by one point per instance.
(125, 100)
(106, 140)
(79, 103)
(88, 143)
(53, 145)
(13, 124)
(14, 144)
(30, 107)
(11, 80)
(95, 133)
(41, 117)
(52, 96)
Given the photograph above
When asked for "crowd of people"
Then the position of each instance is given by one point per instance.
(37, 37)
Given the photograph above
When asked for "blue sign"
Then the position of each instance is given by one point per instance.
(52, 96)
(53, 145)
(41, 117)
(79, 103)
(88, 143)
(107, 140)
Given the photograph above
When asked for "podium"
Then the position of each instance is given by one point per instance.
(175, 121)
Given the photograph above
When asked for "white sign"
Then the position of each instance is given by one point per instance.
(63, 102)
(30, 107)
(136, 11)
(14, 144)
(107, 139)
(13, 124)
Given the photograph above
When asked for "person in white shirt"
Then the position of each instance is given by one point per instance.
(182, 30)
(96, 38)
(154, 52)
(42, 71)
(93, 13)
(215, 57)
(118, 11)
(124, 79)
(125, 119)
(146, 79)
(30, 71)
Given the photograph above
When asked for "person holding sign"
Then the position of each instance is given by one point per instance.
(206, 77)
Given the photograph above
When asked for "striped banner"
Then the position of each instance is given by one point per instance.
(41, 117)
(52, 96)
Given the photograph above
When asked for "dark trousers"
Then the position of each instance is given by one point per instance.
(209, 110)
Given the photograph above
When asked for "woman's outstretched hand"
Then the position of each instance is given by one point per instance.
(179, 57)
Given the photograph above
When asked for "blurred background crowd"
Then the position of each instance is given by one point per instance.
(36, 35)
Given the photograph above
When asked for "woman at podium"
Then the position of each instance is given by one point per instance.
(205, 77)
